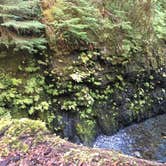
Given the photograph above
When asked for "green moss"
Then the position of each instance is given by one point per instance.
(14, 130)
(25, 126)
(86, 130)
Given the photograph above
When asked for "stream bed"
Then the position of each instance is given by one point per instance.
(144, 140)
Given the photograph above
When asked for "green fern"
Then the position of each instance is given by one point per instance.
(75, 23)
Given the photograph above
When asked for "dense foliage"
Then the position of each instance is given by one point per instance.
(82, 64)
(120, 29)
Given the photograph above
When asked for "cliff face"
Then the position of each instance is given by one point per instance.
(97, 91)
(79, 93)
(103, 97)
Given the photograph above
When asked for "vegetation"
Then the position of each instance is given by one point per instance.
(119, 29)
(14, 130)
(29, 142)
(81, 66)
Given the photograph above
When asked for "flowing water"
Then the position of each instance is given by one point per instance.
(144, 140)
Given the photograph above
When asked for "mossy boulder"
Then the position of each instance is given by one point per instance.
(13, 132)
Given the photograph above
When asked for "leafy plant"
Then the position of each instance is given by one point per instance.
(75, 24)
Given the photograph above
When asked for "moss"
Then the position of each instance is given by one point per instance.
(108, 117)
(13, 132)
(25, 126)
(86, 130)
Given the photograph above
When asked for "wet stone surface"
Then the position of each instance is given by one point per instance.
(144, 140)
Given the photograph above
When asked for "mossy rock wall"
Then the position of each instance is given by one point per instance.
(23, 46)
(98, 97)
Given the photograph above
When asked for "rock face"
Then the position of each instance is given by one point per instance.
(79, 95)
(97, 95)
(103, 97)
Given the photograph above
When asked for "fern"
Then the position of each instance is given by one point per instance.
(32, 46)
(23, 8)
(74, 23)
(160, 19)
(25, 27)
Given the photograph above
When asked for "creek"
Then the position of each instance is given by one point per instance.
(144, 140)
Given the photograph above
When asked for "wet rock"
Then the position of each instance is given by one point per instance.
(137, 154)
(143, 140)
